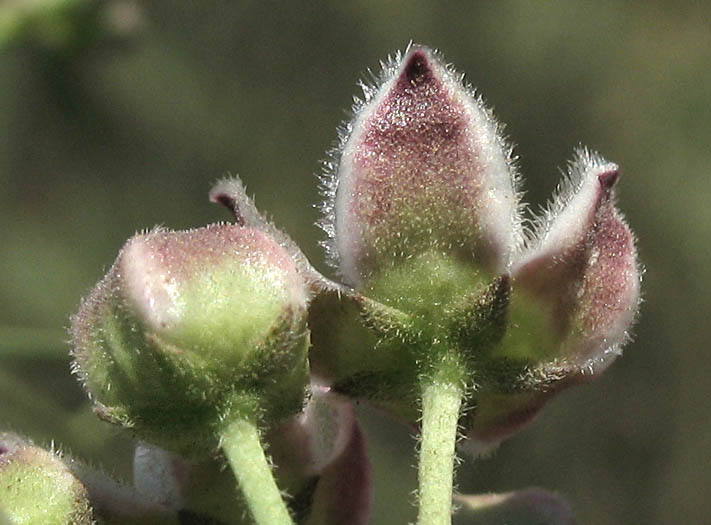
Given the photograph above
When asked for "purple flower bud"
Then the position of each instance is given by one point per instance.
(581, 267)
(189, 327)
(423, 166)
(325, 444)
(576, 290)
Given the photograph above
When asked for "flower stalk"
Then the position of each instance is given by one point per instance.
(441, 404)
(242, 446)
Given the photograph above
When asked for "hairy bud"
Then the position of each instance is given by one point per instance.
(191, 328)
(423, 167)
(576, 293)
(37, 487)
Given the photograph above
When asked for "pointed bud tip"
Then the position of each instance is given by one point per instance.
(608, 179)
(231, 193)
(418, 67)
(229, 202)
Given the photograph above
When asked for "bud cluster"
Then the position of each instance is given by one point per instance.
(443, 285)
(426, 226)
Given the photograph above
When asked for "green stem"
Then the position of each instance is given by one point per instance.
(441, 401)
(243, 448)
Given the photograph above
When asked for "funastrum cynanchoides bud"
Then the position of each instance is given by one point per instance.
(423, 215)
(37, 487)
(426, 229)
(322, 459)
(576, 289)
(421, 169)
(192, 329)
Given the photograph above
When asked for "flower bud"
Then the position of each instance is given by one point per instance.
(422, 167)
(191, 328)
(575, 295)
(424, 215)
(37, 487)
(581, 269)
(322, 459)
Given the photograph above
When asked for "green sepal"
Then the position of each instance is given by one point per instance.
(481, 323)
(436, 317)
(405, 327)
(385, 322)
(363, 348)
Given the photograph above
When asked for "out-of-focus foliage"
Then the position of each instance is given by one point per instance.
(118, 136)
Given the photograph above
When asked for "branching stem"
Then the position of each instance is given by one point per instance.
(243, 448)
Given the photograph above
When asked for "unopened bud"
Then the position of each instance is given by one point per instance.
(581, 271)
(37, 487)
(423, 168)
(576, 292)
(322, 459)
(190, 328)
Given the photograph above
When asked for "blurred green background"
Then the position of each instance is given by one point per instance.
(119, 116)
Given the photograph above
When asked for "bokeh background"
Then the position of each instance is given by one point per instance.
(116, 116)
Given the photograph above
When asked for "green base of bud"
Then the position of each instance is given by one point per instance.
(420, 314)
(179, 401)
